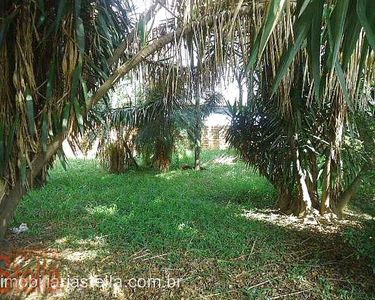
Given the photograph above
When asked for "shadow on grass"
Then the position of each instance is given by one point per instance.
(187, 223)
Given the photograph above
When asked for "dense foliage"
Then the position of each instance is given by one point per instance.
(309, 92)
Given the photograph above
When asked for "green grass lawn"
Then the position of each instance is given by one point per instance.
(185, 224)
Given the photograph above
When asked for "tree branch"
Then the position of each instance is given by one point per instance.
(130, 38)
(9, 203)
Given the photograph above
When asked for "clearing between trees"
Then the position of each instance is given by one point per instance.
(214, 230)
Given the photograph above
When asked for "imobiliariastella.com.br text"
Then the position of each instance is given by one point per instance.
(41, 279)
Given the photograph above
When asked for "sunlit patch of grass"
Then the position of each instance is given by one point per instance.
(188, 221)
(146, 208)
(102, 211)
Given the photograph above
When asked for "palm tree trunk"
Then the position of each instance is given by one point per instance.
(238, 78)
(346, 196)
(334, 157)
(197, 158)
(250, 90)
(198, 134)
(312, 181)
(9, 205)
(304, 191)
(327, 187)
(10, 202)
(304, 205)
(2, 189)
(41, 179)
(284, 200)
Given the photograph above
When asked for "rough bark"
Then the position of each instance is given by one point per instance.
(198, 129)
(330, 193)
(41, 179)
(2, 189)
(129, 156)
(284, 200)
(164, 167)
(250, 81)
(10, 201)
(197, 158)
(163, 157)
(346, 196)
(327, 187)
(240, 87)
(291, 204)
(312, 181)
(117, 160)
(304, 205)
(146, 156)
(8, 206)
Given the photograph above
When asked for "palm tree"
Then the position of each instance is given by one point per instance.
(277, 146)
(325, 63)
(53, 55)
(155, 123)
